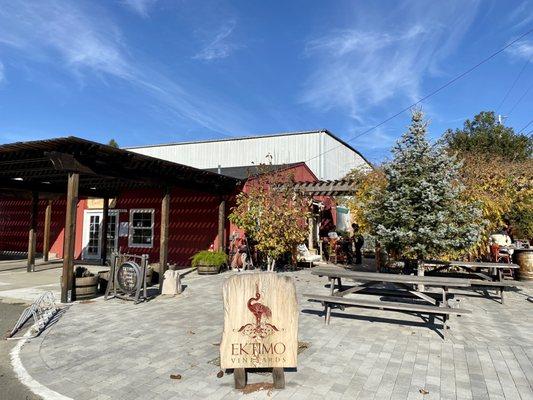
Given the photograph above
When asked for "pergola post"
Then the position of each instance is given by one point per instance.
(311, 235)
(221, 224)
(163, 239)
(46, 235)
(70, 237)
(105, 219)
(32, 235)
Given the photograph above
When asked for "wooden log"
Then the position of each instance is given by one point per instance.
(278, 376)
(70, 237)
(239, 376)
(32, 234)
(105, 222)
(46, 236)
(221, 224)
(163, 239)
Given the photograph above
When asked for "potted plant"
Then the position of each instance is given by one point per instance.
(209, 262)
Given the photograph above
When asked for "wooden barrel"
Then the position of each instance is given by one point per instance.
(208, 269)
(524, 258)
(86, 287)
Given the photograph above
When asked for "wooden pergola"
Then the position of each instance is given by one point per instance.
(81, 168)
(343, 187)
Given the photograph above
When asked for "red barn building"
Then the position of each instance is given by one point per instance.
(134, 217)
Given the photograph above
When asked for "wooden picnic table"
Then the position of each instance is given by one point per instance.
(495, 270)
(404, 284)
(493, 278)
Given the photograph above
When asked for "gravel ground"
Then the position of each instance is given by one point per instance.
(10, 387)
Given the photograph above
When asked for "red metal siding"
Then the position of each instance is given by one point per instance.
(193, 222)
(15, 223)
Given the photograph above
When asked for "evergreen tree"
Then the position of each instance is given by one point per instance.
(420, 213)
(113, 143)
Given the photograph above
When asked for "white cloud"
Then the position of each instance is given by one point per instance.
(522, 49)
(383, 58)
(140, 7)
(86, 43)
(2, 73)
(220, 46)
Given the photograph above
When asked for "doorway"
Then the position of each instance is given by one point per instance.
(92, 234)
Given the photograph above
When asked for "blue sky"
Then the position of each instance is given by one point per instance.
(156, 71)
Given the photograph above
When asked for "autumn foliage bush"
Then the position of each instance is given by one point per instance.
(273, 215)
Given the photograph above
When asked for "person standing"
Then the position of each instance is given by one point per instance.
(358, 241)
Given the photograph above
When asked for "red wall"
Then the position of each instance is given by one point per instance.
(193, 222)
(15, 219)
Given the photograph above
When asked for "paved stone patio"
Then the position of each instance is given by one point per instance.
(117, 350)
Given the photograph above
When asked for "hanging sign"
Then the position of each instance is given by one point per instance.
(123, 229)
(260, 322)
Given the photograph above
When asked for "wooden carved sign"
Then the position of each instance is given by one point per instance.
(260, 322)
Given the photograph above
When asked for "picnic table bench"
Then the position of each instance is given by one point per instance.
(406, 285)
(493, 278)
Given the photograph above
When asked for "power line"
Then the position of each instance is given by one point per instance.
(519, 100)
(434, 92)
(513, 85)
(525, 127)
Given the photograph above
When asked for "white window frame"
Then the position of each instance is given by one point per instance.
(130, 230)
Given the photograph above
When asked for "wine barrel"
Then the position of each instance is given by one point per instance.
(208, 269)
(86, 287)
(524, 258)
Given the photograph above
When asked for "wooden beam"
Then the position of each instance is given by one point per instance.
(32, 235)
(70, 238)
(105, 219)
(163, 239)
(46, 236)
(221, 224)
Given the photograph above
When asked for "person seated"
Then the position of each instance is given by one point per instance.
(332, 234)
(499, 243)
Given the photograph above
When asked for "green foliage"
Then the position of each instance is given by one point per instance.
(505, 191)
(272, 214)
(420, 212)
(205, 257)
(368, 183)
(484, 135)
(113, 143)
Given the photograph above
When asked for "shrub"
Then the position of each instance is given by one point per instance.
(205, 257)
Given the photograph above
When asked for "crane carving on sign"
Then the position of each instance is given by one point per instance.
(260, 329)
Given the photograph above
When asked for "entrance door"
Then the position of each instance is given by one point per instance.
(92, 234)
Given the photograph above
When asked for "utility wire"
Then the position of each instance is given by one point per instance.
(513, 85)
(519, 100)
(525, 127)
(434, 92)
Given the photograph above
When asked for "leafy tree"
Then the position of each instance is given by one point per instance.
(113, 143)
(505, 190)
(273, 215)
(420, 213)
(485, 135)
(368, 183)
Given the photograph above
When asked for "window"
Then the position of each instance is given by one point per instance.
(141, 232)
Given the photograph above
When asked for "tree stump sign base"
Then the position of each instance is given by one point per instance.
(260, 326)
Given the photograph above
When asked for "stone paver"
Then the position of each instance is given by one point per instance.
(117, 350)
